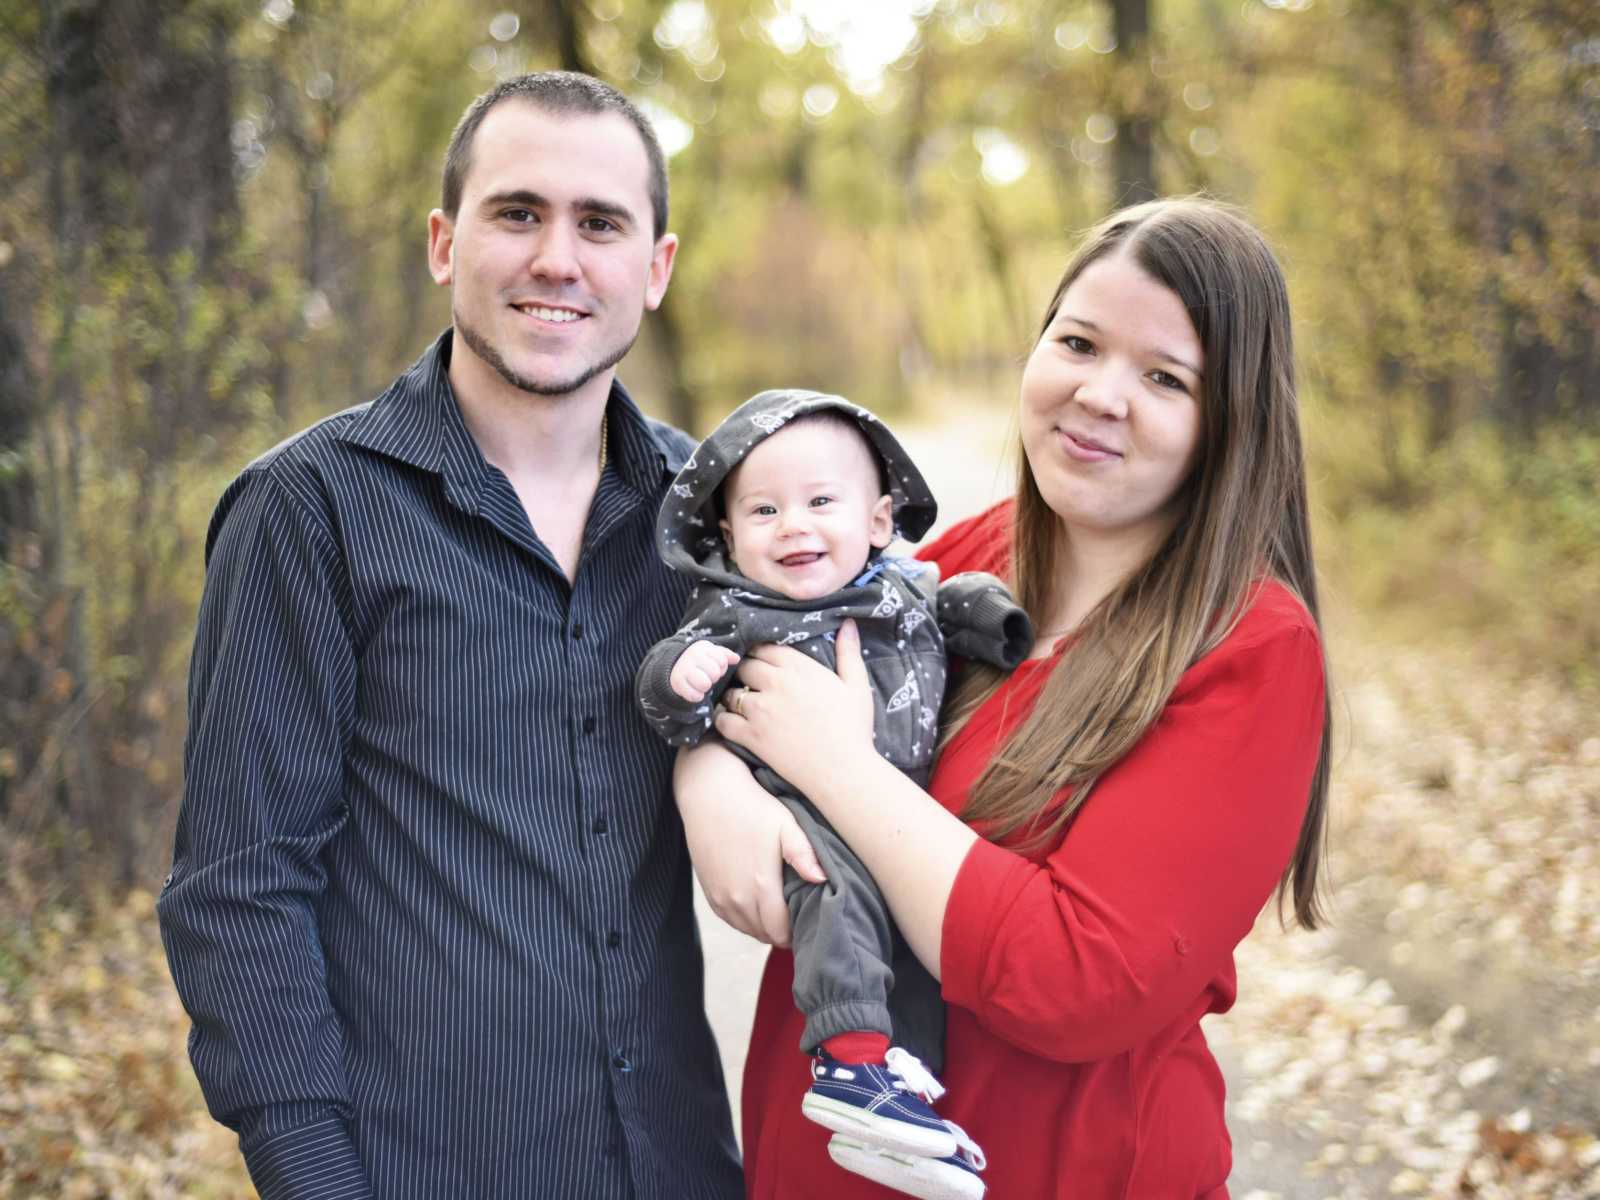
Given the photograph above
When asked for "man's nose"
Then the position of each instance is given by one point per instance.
(555, 254)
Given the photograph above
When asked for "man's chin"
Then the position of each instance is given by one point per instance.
(546, 384)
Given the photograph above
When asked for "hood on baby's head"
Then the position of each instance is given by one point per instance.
(687, 536)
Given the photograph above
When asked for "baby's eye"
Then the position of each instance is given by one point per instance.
(764, 510)
(819, 501)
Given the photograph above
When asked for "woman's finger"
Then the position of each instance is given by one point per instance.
(732, 727)
(756, 673)
(779, 655)
(847, 653)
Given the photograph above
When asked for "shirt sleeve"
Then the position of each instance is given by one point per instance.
(271, 698)
(1122, 927)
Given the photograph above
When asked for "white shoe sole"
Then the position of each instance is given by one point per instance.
(925, 1177)
(884, 1133)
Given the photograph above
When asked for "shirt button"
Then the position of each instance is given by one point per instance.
(588, 724)
(577, 630)
(613, 939)
(602, 826)
(621, 1063)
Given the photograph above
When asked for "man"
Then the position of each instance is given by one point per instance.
(430, 907)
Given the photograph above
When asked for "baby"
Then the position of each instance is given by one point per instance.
(781, 516)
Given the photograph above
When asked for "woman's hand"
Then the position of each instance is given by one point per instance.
(796, 715)
(739, 838)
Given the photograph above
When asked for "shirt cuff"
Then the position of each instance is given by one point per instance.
(986, 886)
(310, 1162)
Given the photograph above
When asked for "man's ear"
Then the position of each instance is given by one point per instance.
(441, 244)
(882, 524)
(661, 260)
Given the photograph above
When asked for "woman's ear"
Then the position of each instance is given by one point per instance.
(881, 527)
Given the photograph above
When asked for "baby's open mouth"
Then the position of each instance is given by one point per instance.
(800, 560)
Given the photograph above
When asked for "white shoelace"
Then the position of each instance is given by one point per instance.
(967, 1147)
(913, 1074)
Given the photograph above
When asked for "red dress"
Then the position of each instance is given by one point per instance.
(1076, 976)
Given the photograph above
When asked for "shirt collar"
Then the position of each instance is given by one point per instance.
(418, 421)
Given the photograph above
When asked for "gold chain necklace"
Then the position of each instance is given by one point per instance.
(604, 425)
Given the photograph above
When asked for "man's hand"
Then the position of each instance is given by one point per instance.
(698, 668)
(739, 838)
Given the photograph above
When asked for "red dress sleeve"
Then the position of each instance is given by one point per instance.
(1092, 948)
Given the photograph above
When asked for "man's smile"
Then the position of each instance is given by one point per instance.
(544, 312)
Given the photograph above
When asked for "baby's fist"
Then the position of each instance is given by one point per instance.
(698, 668)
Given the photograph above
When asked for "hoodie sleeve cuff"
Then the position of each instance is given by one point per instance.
(655, 681)
(982, 621)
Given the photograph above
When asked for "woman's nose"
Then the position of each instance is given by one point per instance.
(1105, 392)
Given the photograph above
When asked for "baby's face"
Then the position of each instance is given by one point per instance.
(804, 510)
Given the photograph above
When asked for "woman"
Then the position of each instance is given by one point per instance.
(1104, 825)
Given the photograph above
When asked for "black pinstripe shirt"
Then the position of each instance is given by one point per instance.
(430, 905)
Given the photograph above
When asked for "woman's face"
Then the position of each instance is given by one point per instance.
(1111, 404)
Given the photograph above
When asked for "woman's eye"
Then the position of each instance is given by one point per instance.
(1077, 344)
(1166, 379)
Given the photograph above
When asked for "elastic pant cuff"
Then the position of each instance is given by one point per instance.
(845, 1016)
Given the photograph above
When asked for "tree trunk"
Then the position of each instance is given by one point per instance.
(1134, 159)
(566, 31)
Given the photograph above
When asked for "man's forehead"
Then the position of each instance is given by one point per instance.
(520, 142)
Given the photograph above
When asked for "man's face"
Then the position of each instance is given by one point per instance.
(550, 259)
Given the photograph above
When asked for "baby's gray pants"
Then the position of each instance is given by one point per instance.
(852, 969)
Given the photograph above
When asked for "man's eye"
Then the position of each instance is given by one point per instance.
(519, 216)
(599, 225)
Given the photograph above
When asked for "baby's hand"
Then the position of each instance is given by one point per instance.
(699, 667)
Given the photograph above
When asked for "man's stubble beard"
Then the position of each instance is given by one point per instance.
(480, 346)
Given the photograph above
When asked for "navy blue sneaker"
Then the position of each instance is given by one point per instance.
(954, 1177)
(882, 1105)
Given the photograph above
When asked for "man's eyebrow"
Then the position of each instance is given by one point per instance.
(586, 204)
(1163, 355)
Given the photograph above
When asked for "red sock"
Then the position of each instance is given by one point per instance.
(857, 1047)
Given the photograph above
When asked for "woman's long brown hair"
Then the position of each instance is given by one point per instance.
(1243, 517)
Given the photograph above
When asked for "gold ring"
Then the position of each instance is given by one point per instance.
(736, 701)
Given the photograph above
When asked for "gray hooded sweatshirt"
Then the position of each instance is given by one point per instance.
(848, 957)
